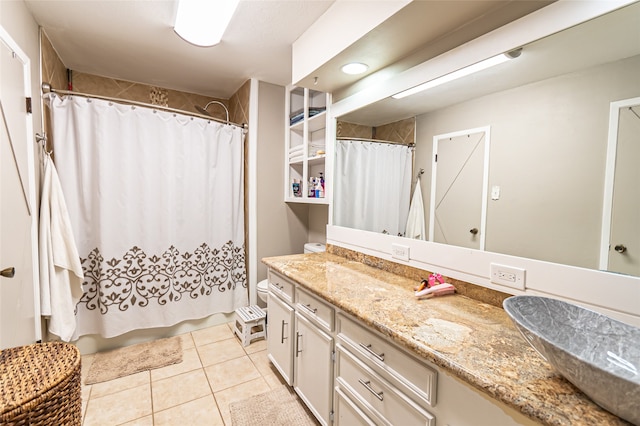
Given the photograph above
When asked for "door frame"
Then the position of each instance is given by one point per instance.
(9, 42)
(485, 179)
(609, 176)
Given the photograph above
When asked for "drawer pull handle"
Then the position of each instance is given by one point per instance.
(298, 350)
(367, 385)
(310, 309)
(282, 338)
(368, 349)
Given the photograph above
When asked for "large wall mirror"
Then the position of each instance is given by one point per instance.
(549, 112)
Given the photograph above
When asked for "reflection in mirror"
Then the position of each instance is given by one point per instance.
(373, 176)
(621, 228)
(459, 177)
(548, 111)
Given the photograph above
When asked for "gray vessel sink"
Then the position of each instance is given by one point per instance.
(598, 354)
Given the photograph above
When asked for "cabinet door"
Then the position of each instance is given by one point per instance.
(280, 336)
(313, 368)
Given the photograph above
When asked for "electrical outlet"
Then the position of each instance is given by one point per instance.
(508, 276)
(398, 251)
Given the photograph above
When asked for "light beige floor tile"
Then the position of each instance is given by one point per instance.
(143, 421)
(120, 407)
(261, 361)
(274, 380)
(201, 412)
(85, 392)
(256, 346)
(187, 341)
(112, 386)
(211, 334)
(267, 370)
(85, 365)
(179, 389)
(238, 393)
(220, 351)
(230, 373)
(190, 362)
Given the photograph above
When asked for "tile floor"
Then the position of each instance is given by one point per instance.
(215, 371)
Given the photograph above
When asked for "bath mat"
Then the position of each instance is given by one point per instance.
(279, 407)
(134, 359)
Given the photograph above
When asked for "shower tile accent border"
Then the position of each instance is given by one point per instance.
(472, 291)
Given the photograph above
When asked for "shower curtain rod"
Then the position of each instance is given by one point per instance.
(46, 88)
(346, 138)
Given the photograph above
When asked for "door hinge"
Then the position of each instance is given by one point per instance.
(331, 416)
(436, 160)
(333, 356)
(28, 105)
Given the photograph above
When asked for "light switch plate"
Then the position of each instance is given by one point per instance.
(495, 192)
(398, 251)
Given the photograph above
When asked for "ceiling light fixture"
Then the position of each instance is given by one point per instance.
(482, 65)
(203, 22)
(354, 68)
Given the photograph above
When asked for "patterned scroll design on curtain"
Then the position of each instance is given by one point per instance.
(137, 279)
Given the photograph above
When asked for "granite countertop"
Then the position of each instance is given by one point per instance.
(472, 340)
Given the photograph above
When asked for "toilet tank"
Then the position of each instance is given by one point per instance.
(314, 247)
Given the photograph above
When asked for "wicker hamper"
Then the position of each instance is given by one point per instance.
(40, 385)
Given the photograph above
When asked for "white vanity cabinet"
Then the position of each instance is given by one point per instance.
(349, 374)
(300, 343)
(378, 382)
(313, 371)
(280, 324)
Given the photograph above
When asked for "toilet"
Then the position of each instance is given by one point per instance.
(263, 286)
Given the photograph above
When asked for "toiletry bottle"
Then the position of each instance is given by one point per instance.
(312, 187)
(322, 181)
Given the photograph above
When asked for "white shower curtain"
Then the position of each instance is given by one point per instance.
(372, 186)
(156, 204)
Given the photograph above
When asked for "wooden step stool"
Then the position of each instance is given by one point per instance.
(250, 324)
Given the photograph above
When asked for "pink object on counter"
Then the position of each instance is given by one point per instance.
(436, 290)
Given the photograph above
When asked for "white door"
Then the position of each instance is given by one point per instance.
(18, 306)
(624, 242)
(459, 188)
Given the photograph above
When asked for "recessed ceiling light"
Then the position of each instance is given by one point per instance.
(354, 68)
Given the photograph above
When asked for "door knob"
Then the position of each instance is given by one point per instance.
(474, 231)
(8, 272)
(620, 248)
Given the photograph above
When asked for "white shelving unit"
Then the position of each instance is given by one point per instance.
(306, 147)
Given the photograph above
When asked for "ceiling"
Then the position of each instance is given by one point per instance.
(133, 40)
(609, 38)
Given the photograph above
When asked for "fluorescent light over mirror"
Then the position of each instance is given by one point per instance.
(463, 72)
(203, 22)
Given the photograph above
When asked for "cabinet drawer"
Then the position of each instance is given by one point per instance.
(316, 310)
(281, 286)
(405, 372)
(376, 394)
(347, 413)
